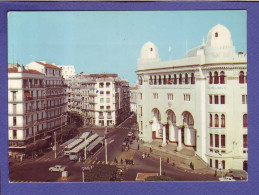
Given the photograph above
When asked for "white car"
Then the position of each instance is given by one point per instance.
(57, 168)
(227, 178)
(130, 134)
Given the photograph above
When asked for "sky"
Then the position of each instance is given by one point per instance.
(110, 41)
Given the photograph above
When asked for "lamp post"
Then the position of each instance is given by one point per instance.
(61, 128)
(160, 168)
(105, 144)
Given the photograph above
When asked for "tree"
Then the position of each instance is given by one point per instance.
(101, 173)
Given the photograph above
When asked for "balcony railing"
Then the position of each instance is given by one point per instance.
(58, 95)
(55, 86)
(33, 86)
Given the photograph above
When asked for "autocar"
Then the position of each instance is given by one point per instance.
(237, 174)
(88, 168)
(130, 134)
(227, 178)
(57, 168)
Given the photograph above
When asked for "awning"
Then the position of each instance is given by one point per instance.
(28, 94)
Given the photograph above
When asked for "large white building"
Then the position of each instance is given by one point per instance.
(199, 101)
(100, 99)
(67, 71)
(133, 99)
(36, 103)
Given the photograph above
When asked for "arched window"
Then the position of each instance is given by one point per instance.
(223, 121)
(211, 124)
(216, 78)
(180, 79)
(222, 77)
(175, 79)
(155, 81)
(140, 80)
(150, 80)
(210, 78)
(165, 81)
(159, 80)
(170, 80)
(241, 77)
(186, 79)
(216, 120)
(245, 120)
(192, 79)
(216, 34)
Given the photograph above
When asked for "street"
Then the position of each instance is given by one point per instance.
(36, 170)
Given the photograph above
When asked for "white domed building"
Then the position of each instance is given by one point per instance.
(199, 101)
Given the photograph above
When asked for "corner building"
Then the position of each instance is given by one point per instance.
(199, 101)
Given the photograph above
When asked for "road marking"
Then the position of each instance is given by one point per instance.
(111, 163)
(89, 161)
(98, 162)
(103, 162)
(93, 162)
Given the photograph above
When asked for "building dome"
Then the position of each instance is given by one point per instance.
(219, 43)
(149, 51)
(219, 36)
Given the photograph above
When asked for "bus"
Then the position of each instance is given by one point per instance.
(95, 146)
(78, 150)
(84, 135)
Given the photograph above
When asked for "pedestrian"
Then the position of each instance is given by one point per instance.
(128, 147)
(167, 160)
(148, 155)
(150, 149)
(127, 161)
(215, 173)
(191, 165)
(164, 173)
(173, 164)
(121, 161)
(138, 146)
(132, 162)
(143, 155)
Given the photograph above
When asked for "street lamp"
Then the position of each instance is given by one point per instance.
(105, 144)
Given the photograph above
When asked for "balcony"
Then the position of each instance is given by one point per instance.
(33, 86)
(101, 117)
(55, 86)
(58, 95)
(109, 116)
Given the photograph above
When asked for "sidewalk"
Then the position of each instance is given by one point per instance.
(181, 159)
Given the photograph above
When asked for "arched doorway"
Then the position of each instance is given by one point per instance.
(171, 129)
(156, 124)
(188, 131)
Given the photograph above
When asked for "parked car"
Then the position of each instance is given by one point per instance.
(227, 178)
(237, 174)
(130, 134)
(88, 168)
(57, 168)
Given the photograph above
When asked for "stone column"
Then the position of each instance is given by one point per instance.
(179, 147)
(164, 134)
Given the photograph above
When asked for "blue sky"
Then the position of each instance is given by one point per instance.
(110, 41)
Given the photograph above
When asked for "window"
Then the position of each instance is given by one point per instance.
(180, 79)
(150, 80)
(108, 107)
(101, 93)
(216, 78)
(223, 141)
(244, 99)
(211, 140)
(155, 81)
(222, 121)
(155, 95)
(151, 49)
(211, 124)
(210, 162)
(14, 134)
(216, 99)
(141, 111)
(210, 78)
(216, 120)
(108, 85)
(14, 108)
(222, 99)
(216, 164)
(245, 120)
(14, 95)
(241, 77)
(159, 80)
(100, 85)
(186, 79)
(244, 141)
(216, 34)
(101, 107)
(141, 125)
(223, 164)
(101, 100)
(175, 79)
(165, 80)
(14, 121)
(222, 77)
(140, 96)
(216, 140)
(170, 96)
(170, 80)
(27, 132)
(210, 97)
(192, 78)
(108, 93)
(187, 97)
